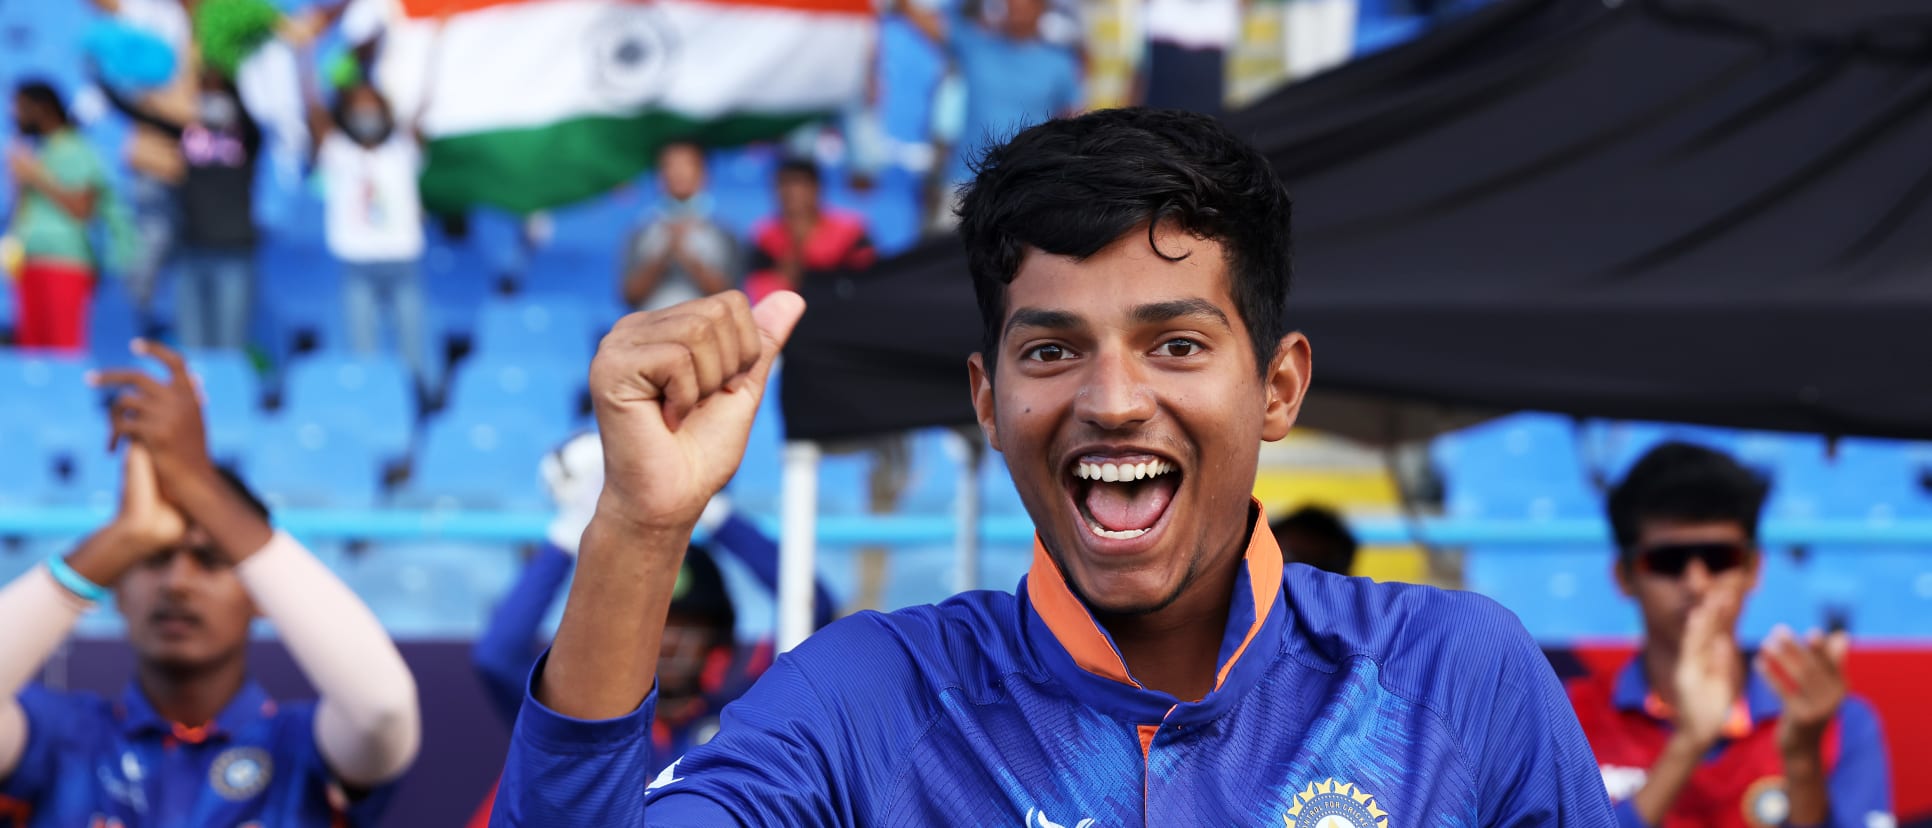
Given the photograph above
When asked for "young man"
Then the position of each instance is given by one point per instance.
(221, 144)
(1692, 732)
(805, 240)
(189, 560)
(1158, 665)
(369, 162)
(59, 184)
(682, 254)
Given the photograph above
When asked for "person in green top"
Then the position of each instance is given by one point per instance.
(59, 186)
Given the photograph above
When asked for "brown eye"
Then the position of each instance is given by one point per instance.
(1180, 347)
(1046, 353)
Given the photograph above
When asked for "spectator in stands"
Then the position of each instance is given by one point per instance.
(60, 184)
(373, 220)
(701, 666)
(189, 559)
(1316, 536)
(1013, 78)
(682, 254)
(220, 145)
(1187, 53)
(805, 240)
(1694, 731)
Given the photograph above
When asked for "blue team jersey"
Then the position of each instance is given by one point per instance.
(1338, 702)
(92, 763)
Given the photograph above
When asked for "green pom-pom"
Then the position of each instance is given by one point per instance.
(229, 30)
(342, 71)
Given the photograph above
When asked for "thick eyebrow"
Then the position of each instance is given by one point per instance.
(1053, 320)
(1157, 312)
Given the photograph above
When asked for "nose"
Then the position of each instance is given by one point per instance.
(1115, 394)
(180, 573)
(1697, 578)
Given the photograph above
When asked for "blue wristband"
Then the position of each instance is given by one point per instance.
(75, 582)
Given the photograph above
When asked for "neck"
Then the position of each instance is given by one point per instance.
(1176, 649)
(191, 697)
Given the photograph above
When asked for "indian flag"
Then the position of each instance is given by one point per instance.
(529, 104)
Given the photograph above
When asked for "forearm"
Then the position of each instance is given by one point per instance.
(367, 725)
(710, 280)
(1667, 778)
(1804, 775)
(643, 280)
(78, 203)
(37, 614)
(506, 649)
(604, 659)
(208, 501)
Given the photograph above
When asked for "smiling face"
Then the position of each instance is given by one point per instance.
(1130, 411)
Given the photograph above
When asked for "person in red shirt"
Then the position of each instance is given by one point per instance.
(1694, 731)
(805, 240)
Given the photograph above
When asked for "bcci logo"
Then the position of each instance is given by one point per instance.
(1331, 804)
(240, 773)
(631, 48)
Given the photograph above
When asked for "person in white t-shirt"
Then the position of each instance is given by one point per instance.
(1187, 45)
(373, 217)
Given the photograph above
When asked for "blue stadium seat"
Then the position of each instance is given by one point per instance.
(1877, 481)
(305, 462)
(558, 331)
(432, 589)
(1886, 592)
(301, 293)
(1627, 441)
(93, 478)
(48, 394)
(1561, 593)
(481, 464)
(547, 393)
(370, 395)
(1785, 595)
(1523, 466)
(31, 477)
(755, 488)
(932, 478)
(997, 495)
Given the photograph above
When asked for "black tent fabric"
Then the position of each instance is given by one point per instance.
(1715, 211)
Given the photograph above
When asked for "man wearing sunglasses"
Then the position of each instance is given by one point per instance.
(1694, 731)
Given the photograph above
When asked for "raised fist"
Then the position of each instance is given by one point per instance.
(674, 392)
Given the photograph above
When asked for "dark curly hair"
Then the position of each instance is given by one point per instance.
(1072, 186)
(1689, 483)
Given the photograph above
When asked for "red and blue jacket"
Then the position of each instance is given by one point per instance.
(1338, 702)
(1741, 782)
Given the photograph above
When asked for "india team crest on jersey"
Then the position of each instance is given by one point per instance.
(1332, 804)
(1766, 804)
(240, 773)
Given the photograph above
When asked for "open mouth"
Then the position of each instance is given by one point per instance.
(1123, 497)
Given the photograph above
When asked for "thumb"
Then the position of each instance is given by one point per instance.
(776, 315)
(1837, 646)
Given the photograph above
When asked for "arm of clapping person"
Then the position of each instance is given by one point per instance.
(367, 724)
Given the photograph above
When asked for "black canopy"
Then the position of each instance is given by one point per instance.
(1715, 212)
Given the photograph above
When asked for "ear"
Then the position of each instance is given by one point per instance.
(1620, 570)
(1753, 569)
(982, 390)
(1287, 382)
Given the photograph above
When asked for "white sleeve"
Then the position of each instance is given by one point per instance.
(368, 724)
(37, 613)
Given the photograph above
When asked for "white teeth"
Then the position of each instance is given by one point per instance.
(1113, 535)
(1122, 472)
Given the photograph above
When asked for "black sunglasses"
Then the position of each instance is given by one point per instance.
(1672, 559)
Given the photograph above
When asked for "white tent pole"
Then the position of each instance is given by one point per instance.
(797, 542)
(966, 508)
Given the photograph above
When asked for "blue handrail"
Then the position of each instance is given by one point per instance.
(510, 527)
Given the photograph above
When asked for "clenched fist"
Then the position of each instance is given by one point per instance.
(674, 392)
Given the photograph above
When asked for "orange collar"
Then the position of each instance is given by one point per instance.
(1093, 650)
(1737, 726)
